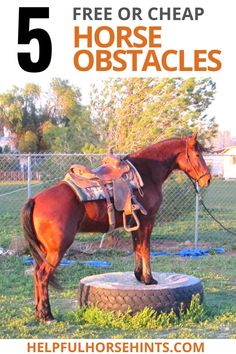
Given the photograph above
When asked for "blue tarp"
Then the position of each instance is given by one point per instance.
(94, 263)
(97, 263)
(158, 254)
(194, 253)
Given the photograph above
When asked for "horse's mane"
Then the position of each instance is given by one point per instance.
(157, 146)
(167, 141)
(202, 148)
(163, 145)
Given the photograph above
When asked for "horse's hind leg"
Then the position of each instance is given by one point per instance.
(54, 251)
(50, 221)
(43, 274)
(36, 289)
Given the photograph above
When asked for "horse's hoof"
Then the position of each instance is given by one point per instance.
(138, 275)
(151, 281)
(49, 321)
(45, 319)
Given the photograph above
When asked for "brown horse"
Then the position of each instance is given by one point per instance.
(52, 218)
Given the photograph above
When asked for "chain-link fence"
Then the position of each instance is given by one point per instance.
(179, 222)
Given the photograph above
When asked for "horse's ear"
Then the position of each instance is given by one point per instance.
(193, 139)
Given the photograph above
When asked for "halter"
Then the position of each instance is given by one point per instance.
(189, 161)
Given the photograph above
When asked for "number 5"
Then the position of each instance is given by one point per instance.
(25, 35)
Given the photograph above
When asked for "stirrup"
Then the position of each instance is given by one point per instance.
(132, 228)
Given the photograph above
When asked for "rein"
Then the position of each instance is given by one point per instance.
(194, 182)
(207, 210)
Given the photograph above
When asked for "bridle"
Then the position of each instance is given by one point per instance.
(191, 164)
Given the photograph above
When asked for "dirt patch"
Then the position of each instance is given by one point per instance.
(18, 246)
(231, 253)
(122, 244)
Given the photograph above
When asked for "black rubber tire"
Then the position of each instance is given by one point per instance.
(121, 291)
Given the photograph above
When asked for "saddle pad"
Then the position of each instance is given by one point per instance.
(88, 193)
(95, 192)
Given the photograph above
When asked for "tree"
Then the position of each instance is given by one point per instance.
(28, 142)
(136, 112)
(11, 110)
(70, 125)
(41, 122)
(20, 112)
(63, 102)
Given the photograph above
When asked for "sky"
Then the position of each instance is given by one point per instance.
(215, 29)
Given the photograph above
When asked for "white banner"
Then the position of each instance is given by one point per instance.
(207, 346)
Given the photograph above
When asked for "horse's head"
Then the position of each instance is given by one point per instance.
(192, 162)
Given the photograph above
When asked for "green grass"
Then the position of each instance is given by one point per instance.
(10, 206)
(216, 318)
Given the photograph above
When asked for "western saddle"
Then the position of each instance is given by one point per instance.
(113, 171)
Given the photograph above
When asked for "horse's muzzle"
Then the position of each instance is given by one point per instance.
(204, 181)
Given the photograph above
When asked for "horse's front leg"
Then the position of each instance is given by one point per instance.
(138, 269)
(141, 243)
(145, 252)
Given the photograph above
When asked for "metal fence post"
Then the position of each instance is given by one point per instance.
(196, 217)
(29, 176)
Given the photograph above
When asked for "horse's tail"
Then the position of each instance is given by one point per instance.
(31, 237)
(29, 231)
